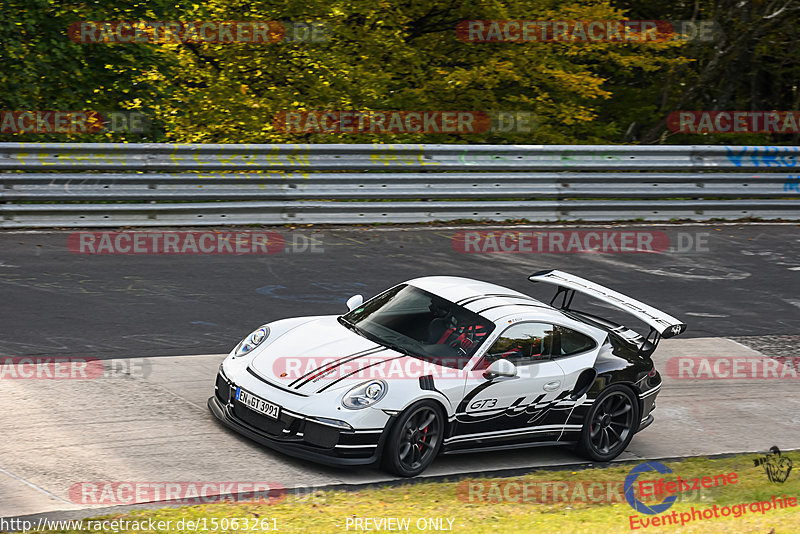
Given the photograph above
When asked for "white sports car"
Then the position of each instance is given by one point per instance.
(450, 365)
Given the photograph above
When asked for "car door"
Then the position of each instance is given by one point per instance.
(502, 409)
(575, 352)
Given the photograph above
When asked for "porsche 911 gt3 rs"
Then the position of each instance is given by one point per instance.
(446, 365)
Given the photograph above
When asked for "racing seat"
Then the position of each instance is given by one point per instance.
(440, 328)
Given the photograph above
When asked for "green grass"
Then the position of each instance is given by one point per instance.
(328, 511)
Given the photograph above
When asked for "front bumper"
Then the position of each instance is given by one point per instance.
(296, 434)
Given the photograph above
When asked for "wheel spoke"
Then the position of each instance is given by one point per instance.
(622, 426)
(617, 436)
(428, 445)
(427, 422)
(409, 427)
(625, 409)
(404, 450)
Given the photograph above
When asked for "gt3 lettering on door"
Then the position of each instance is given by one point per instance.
(499, 407)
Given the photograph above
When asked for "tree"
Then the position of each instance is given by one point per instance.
(401, 56)
(42, 69)
(751, 66)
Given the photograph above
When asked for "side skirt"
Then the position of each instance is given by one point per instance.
(510, 446)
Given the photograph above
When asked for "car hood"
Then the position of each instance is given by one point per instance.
(320, 355)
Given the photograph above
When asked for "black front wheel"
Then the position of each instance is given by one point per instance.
(414, 440)
(610, 424)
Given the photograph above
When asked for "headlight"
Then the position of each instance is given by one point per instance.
(365, 394)
(251, 341)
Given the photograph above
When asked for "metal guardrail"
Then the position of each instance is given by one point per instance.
(76, 185)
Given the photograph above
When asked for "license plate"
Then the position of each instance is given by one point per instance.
(258, 404)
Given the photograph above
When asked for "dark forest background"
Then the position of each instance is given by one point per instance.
(404, 55)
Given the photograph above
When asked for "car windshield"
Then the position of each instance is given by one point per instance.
(420, 324)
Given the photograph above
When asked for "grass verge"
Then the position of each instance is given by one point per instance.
(486, 505)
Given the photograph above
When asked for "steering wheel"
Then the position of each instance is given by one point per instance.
(465, 338)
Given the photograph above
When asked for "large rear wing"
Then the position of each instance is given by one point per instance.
(661, 323)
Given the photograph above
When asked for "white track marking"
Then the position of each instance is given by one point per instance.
(34, 486)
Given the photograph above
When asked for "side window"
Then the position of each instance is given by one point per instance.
(521, 344)
(570, 342)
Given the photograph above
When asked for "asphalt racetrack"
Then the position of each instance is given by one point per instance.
(164, 322)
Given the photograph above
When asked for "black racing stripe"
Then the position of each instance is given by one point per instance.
(358, 371)
(509, 304)
(338, 362)
(475, 415)
(333, 365)
(474, 299)
(293, 392)
(467, 300)
(470, 300)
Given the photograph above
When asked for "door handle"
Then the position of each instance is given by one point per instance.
(552, 386)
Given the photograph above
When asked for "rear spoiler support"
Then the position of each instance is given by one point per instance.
(650, 342)
(567, 296)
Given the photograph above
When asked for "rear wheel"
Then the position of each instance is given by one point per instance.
(414, 440)
(610, 424)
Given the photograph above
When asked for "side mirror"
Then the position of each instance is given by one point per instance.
(500, 368)
(354, 302)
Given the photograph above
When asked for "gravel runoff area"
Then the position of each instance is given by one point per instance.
(772, 346)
